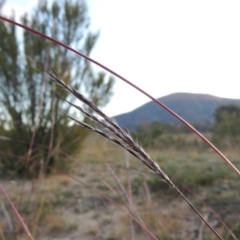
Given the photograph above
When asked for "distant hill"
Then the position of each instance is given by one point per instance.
(195, 108)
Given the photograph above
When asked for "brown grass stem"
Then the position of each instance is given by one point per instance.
(129, 190)
(127, 198)
(120, 186)
(124, 193)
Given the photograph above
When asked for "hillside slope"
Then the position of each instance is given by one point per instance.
(195, 108)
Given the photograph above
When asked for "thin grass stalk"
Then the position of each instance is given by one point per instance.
(131, 84)
(122, 190)
(129, 188)
(131, 208)
(125, 194)
(16, 213)
(126, 153)
(149, 205)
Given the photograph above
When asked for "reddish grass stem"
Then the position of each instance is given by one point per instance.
(131, 84)
(16, 213)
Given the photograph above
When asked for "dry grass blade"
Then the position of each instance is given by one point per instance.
(126, 195)
(124, 140)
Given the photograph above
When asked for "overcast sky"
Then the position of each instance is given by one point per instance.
(165, 46)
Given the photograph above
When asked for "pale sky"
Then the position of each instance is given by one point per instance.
(165, 46)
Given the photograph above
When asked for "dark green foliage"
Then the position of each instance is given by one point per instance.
(137, 184)
(32, 108)
(155, 184)
(159, 135)
(193, 174)
(147, 133)
(226, 131)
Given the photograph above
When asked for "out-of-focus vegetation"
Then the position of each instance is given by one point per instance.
(59, 207)
(225, 132)
(32, 109)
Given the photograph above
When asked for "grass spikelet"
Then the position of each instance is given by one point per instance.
(123, 139)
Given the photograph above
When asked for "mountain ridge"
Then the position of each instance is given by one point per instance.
(195, 108)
